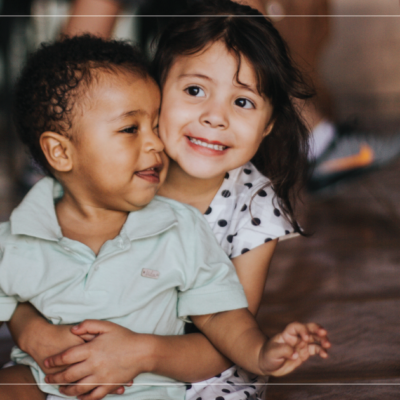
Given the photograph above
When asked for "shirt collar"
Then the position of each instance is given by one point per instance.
(36, 215)
(157, 217)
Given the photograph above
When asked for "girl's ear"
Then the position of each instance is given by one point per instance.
(268, 129)
(57, 150)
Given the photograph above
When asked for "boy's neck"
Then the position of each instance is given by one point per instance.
(182, 187)
(87, 223)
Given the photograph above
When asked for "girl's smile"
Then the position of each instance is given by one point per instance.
(212, 118)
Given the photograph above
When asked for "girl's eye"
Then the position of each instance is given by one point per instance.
(244, 103)
(130, 129)
(195, 91)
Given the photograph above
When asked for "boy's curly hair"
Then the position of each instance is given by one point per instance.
(55, 79)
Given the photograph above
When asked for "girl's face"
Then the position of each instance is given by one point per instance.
(210, 123)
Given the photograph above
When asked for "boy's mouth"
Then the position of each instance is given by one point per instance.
(151, 174)
(212, 145)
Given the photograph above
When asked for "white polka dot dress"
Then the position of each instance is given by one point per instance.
(242, 215)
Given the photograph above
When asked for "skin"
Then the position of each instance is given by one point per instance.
(204, 100)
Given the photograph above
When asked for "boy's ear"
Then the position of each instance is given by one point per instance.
(57, 150)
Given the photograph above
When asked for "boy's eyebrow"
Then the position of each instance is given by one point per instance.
(128, 114)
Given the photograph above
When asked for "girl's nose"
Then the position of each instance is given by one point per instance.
(215, 115)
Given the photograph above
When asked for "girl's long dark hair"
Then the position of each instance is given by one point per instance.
(282, 155)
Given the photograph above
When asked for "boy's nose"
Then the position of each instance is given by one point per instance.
(153, 142)
(215, 115)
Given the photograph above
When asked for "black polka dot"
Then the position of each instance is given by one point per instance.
(236, 374)
(249, 185)
(247, 171)
(222, 223)
(267, 240)
(199, 398)
(244, 208)
(287, 232)
(247, 394)
(217, 376)
(220, 398)
(245, 251)
(277, 212)
(262, 193)
(235, 234)
(226, 390)
(229, 238)
(188, 387)
(230, 382)
(225, 193)
(230, 255)
(227, 175)
(255, 221)
(209, 209)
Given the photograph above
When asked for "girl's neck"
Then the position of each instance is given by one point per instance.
(185, 188)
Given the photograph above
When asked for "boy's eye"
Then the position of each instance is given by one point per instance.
(130, 129)
(244, 103)
(195, 91)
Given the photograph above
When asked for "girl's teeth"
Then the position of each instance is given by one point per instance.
(208, 145)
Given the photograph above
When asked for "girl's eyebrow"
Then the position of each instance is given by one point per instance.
(194, 76)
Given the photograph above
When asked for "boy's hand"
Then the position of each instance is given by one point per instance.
(289, 349)
(116, 355)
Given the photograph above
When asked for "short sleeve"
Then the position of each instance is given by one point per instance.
(211, 284)
(258, 221)
(8, 304)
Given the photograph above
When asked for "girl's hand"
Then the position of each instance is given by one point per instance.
(115, 356)
(289, 349)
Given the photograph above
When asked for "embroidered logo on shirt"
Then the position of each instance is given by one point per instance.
(150, 273)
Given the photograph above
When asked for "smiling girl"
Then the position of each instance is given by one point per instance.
(238, 153)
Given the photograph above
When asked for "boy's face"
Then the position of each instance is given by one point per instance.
(209, 122)
(118, 158)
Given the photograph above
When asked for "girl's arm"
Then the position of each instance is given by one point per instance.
(37, 337)
(171, 356)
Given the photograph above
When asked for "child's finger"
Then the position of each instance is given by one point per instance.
(96, 394)
(316, 329)
(71, 356)
(72, 374)
(315, 349)
(91, 327)
(293, 331)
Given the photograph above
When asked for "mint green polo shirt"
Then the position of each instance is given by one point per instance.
(164, 265)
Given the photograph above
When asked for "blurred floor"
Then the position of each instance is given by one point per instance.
(345, 277)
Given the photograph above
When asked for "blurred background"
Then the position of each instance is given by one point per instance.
(346, 275)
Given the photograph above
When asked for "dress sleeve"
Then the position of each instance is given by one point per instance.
(258, 220)
(8, 304)
(211, 284)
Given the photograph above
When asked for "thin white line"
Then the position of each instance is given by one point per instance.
(216, 16)
(211, 384)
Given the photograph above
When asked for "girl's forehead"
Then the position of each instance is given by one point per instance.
(215, 57)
